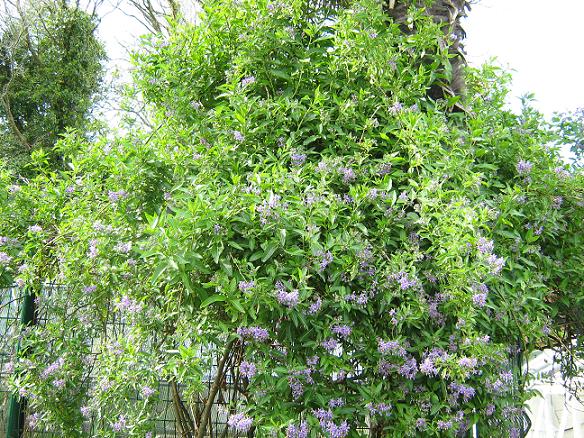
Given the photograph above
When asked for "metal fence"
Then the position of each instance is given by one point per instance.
(166, 411)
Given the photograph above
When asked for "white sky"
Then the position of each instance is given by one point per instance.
(541, 40)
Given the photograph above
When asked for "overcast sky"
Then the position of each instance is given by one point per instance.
(541, 40)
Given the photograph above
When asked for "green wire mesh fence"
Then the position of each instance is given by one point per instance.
(166, 411)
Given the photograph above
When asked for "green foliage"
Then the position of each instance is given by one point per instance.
(50, 73)
(301, 185)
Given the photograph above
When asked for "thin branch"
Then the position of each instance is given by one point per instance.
(214, 389)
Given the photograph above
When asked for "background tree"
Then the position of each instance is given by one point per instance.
(50, 75)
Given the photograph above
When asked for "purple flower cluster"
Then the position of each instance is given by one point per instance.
(256, 333)
(128, 304)
(240, 422)
(246, 286)
(296, 387)
(348, 174)
(557, 202)
(330, 345)
(300, 431)
(247, 81)
(444, 425)
(35, 229)
(468, 362)
(298, 159)
(238, 136)
(247, 369)
(524, 167)
(53, 368)
(460, 390)
(315, 307)
(4, 258)
(344, 331)
(147, 392)
(325, 419)
(119, 425)
(496, 263)
(485, 246)
(123, 248)
(379, 408)
(267, 208)
(409, 369)
(326, 259)
(336, 403)
(360, 299)
(391, 347)
(288, 299)
(93, 251)
(116, 196)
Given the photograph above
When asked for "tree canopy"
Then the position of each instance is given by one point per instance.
(359, 252)
(50, 73)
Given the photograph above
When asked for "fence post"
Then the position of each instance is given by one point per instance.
(15, 423)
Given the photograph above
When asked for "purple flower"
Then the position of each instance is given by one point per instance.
(35, 229)
(247, 80)
(557, 202)
(514, 433)
(444, 425)
(246, 286)
(344, 331)
(147, 392)
(85, 411)
(496, 263)
(116, 196)
(238, 136)
(409, 369)
(123, 248)
(315, 307)
(257, 333)
(489, 410)
(524, 167)
(380, 408)
(4, 258)
(336, 403)
(59, 383)
(129, 304)
(384, 169)
(326, 259)
(33, 420)
(506, 376)
(348, 174)
(421, 424)
(479, 299)
(298, 159)
(485, 246)
(93, 252)
(334, 431)
(468, 362)
(391, 347)
(396, 108)
(120, 424)
(296, 386)
(89, 289)
(247, 369)
(53, 368)
(428, 367)
(561, 172)
(330, 345)
(297, 431)
(288, 299)
(240, 422)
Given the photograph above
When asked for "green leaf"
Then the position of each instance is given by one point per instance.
(215, 298)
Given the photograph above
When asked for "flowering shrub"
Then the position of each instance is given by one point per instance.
(361, 253)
